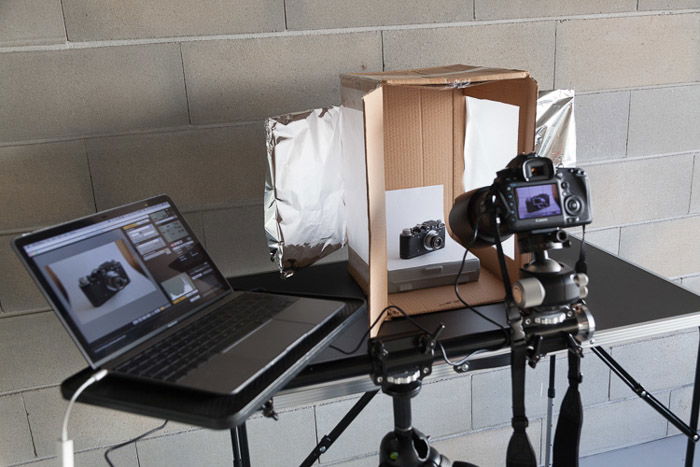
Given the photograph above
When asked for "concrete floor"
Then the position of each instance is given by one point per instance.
(667, 452)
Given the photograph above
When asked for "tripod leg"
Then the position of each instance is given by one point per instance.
(550, 409)
(330, 438)
(652, 401)
(690, 448)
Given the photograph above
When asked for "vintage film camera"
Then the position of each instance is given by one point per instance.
(422, 239)
(104, 282)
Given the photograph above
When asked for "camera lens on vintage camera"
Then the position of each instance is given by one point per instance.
(421, 239)
(104, 282)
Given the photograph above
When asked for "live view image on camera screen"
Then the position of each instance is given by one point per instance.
(144, 266)
(538, 201)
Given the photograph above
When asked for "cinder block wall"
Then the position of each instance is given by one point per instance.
(105, 102)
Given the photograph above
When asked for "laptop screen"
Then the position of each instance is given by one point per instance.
(122, 275)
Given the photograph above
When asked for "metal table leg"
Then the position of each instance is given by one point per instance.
(690, 447)
(239, 443)
(550, 410)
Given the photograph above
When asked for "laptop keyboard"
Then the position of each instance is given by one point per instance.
(181, 352)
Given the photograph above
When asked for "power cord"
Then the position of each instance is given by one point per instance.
(65, 445)
(131, 441)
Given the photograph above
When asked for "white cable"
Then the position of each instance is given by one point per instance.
(65, 445)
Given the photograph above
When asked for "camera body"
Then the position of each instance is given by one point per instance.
(536, 196)
(421, 239)
(104, 282)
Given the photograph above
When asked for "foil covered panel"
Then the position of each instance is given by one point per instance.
(555, 133)
(304, 212)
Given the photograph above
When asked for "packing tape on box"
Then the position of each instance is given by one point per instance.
(305, 217)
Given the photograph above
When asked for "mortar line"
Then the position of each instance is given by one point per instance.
(692, 184)
(474, 10)
(184, 81)
(629, 115)
(554, 71)
(63, 15)
(92, 182)
(381, 37)
(331, 31)
(31, 432)
(286, 24)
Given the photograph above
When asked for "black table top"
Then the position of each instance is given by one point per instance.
(622, 297)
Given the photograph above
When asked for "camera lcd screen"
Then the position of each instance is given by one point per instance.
(536, 201)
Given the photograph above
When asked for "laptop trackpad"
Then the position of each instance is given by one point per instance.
(228, 372)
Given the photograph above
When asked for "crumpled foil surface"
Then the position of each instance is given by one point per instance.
(304, 211)
(555, 131)
(305, 216)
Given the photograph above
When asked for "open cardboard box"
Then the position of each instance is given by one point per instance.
(406, 129)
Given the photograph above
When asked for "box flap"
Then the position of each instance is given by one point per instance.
(451, 76)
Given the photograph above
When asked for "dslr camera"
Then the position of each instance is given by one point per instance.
(531, 196)
(422, 239)
(105, 281)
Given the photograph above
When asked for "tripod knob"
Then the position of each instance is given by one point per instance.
(528, 292)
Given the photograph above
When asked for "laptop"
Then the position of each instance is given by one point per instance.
(142, 298)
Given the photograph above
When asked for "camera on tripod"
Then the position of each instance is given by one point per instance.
(536, 201)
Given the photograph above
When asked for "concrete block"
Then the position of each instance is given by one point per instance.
(681, 404)
(488, 447)
(695, 196)
(15, 437)
(286, 441)
(91, 90)
(236, 240)
(530, 47)
(31, 22)
(89, 426)
(601, 125)
(44, 184)
(692, 283)
(492, 400)
(630, 59)
(639, 190)
(37, 351)
(201, 168)
(18, 292)
(617, 424)
(640, 244)
(365, 433)
(657, 364)
(199, 447)
(669, 451)
(123, 456)
(248, 79)
(443, 407)
(664, 120)
(668, 4)
(132, 19)
(322, 14)
(194, 220)
(502, 9)
(606, 239)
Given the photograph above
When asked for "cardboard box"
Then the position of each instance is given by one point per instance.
(411, 125)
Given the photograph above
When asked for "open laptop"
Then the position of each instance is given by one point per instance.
(142, 298)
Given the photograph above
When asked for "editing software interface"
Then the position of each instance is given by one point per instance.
(122, 278)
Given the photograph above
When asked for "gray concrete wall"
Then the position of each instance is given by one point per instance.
(103, 103)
